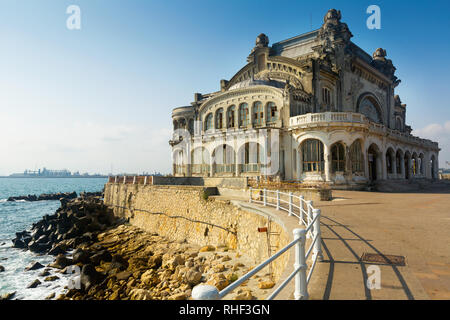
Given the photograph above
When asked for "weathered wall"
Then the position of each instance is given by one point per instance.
(185, 213)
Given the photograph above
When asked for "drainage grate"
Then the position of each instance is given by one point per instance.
(383, 259)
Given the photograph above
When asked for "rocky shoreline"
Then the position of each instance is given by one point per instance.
(108, 259)
(53, 196)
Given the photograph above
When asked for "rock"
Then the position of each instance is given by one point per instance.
(61, 262)
(89, 276)
(7, 296)
(118, 262)
(207, 248)
(50, 296)
(219, 268)
(44, 273)
(57, 250)
(34, 266)
(2, 268)
(232, 277)
(172, 263)
(17, 243)
(226, 258)
(51, 278)
(34, 284)
(246, 295)
(154, 262)
(192, 277)
(124, 275)
(80, 256)
(103, 255)
(140, 294)
(178, 296)
(219, 281)
(266, 284)
(150, 277)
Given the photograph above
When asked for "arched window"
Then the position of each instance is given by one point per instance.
(209, 122)
(243, 115)
(313, 159)
(272, 113)
(337, 157)
(258, 113)
(371, 109)
(356, 157)
(231, 117)
(219, 118)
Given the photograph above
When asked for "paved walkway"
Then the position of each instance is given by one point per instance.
(414, 225)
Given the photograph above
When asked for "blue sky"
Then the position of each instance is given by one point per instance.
(100, 98)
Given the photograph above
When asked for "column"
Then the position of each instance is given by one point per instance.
(299, 164)
(327, 158)
(383, 168)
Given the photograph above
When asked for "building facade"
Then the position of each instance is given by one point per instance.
(312, 108)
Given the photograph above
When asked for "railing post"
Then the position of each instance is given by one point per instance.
(301, 289)
(300, 222)
(134, 180)
(205, 292)
(250, 200)
(290, 204)
(265, 197)
(318, 244)
(278, 199)
(115, 179)
(124, 179)
(309, 204)
(145, 181)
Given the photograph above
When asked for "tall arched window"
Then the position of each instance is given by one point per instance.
(356, 157)
(243, 115)
(209, 122)
(313, 159)
(219, 118)
(272, 113)
(337, 157)
(258, 113)
(231, 123)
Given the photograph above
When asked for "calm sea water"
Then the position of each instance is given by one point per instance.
(18, 216)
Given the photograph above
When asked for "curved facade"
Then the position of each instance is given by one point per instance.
(313, 108)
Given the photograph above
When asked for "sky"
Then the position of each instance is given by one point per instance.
(99, 99)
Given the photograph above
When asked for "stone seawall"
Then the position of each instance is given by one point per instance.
(192, 213)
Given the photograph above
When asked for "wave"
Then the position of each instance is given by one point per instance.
(3, 200)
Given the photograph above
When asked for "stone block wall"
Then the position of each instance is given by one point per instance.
(191, 213)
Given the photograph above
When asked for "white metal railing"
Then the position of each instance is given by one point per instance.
(307, 216)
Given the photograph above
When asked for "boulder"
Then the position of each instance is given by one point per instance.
(7, 296)
(34, 266)
(80, 256)
(89, 277)
(51, 278)
(103, 255)
(57, 250)
(61, 262)
(266, 284)
(154, 262)
(34, 284)
(140, 294)
(2, 268)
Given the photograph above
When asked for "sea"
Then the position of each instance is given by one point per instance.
(20, 215)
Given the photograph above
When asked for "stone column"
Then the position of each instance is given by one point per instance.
(348, 163)
(327, 158)
(299, 164)
(394, 166)
(383, 168)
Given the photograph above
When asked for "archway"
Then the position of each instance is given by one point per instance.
(224, 159)
(251, 157)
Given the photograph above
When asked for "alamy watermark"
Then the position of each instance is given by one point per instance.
(73, 22)
(374, 20)
(374, 280)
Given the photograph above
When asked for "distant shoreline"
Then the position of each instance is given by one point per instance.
(98, 177)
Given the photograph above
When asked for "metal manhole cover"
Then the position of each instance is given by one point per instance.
(384, 259)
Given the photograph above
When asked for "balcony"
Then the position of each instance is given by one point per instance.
(353, 119)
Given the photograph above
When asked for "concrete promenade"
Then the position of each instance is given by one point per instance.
(413, 225)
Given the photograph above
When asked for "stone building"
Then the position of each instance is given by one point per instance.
(313, 108)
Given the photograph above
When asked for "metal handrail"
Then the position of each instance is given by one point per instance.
(312, 227)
